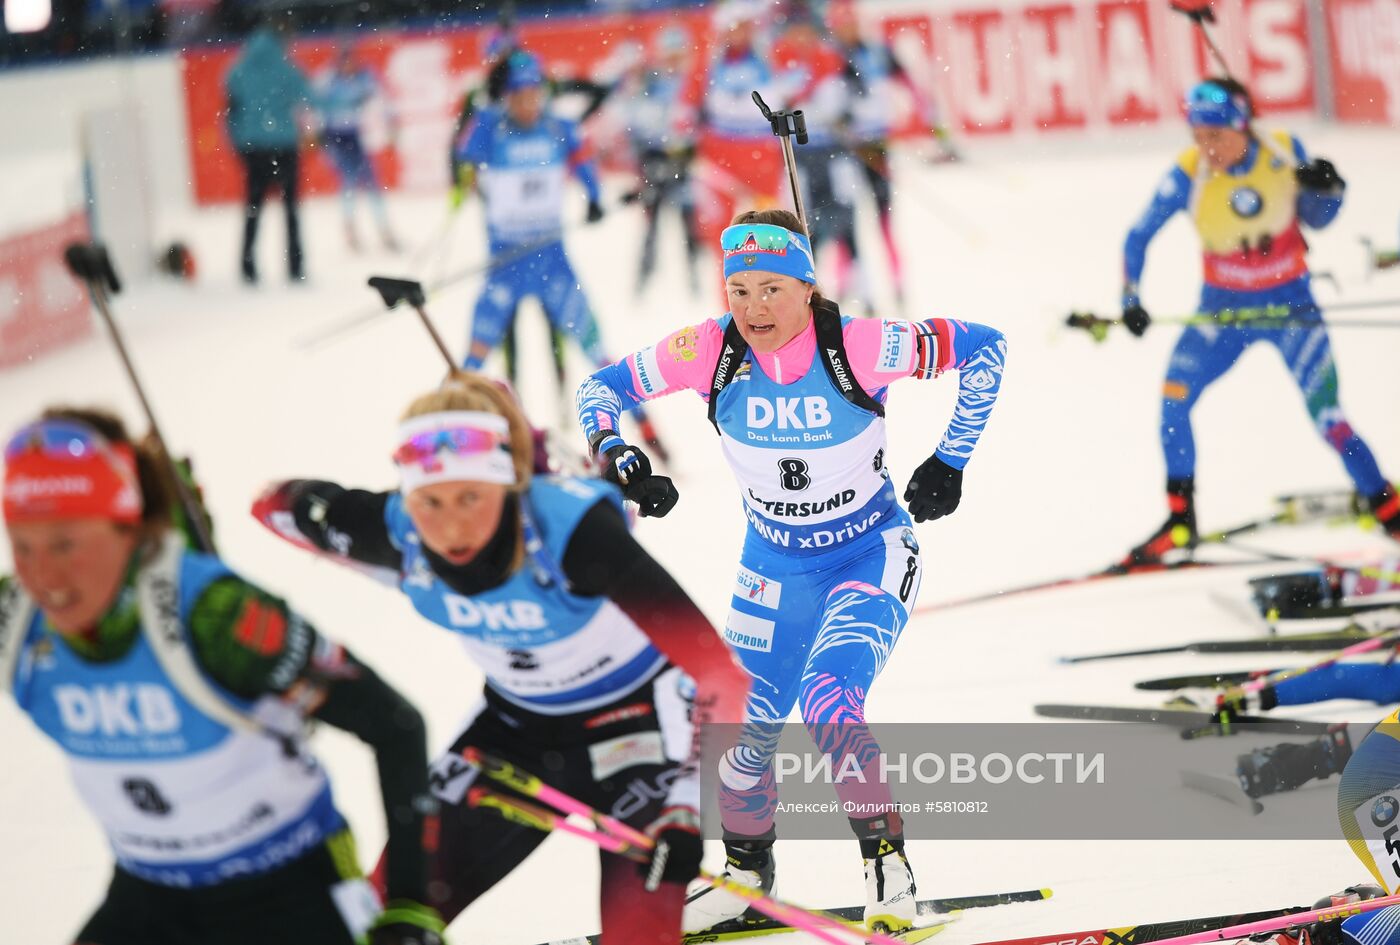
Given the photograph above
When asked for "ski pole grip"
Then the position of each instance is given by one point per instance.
(89, 262)
(785, 124)
(393, 291)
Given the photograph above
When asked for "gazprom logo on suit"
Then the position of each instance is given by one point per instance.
(121, 709)
(505, 615)
(748, 632)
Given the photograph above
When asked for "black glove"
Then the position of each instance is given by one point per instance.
(678, 851)
(405, 922)
(1321, 176)
(628, 467)
(934, 490)
(595, 211)
(1136, 319)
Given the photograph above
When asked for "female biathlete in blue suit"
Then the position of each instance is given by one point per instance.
(582, 636)
(830, 567)
(179, 693)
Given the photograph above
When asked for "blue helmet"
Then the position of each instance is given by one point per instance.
(1212, 105)
(522, 71)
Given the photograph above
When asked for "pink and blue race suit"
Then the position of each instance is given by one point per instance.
(830, 567)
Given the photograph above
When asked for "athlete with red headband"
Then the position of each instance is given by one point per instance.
(585, 641)
(179, 693)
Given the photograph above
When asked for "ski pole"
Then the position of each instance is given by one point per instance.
(315, 339)
(617, 837)
(789, 125)
(1356, 649)
(90, 264)
(1200, 13)
(540, 818)
(1329, 914)
(393, 291)
(1271, 316)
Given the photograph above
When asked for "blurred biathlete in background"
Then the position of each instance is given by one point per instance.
(737, 161)
(521, 156)
(830, 567)
(498, 48)
(654, 99)
(812, 68)
(342, 92)
(179, 693)
(1248, 195)
(874, 73)
(585, 642)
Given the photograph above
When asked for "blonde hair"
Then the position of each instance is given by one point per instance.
(465, 390)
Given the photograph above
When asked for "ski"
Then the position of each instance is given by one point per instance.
(1227, 790)
(1078, 580)
(753, 924)
(724, 934)
(1189, 719)
(1283, 642)
(1148, 931)
(1291, 509)
(1202, 681)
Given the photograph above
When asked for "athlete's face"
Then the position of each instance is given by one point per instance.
(770, 309)
(1223, 148)
(846, 30)
(525, 105)
(73, 568)
(456, 519)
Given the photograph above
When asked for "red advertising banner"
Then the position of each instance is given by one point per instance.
(1364, 49)
(42, 307)
(1070, 67)
(1063, 66)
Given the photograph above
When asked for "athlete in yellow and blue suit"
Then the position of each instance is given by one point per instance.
(1368, 806)
(1248, 194)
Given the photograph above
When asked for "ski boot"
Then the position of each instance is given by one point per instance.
(891, 904)
(748, 862)
(1178, 531)
(1291, 765)
(1385, 509)
(1296, 596)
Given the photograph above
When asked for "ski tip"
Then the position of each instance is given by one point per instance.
(1047, 893)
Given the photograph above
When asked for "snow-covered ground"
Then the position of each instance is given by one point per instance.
(1067, 476)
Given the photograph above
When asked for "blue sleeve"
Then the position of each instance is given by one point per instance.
(1369, 682)
(475, 143)
(1173, 194)
(582, 166)
(980, 359)
(396, 520)
(561, 502)
(602, 397)
(1315, 209)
